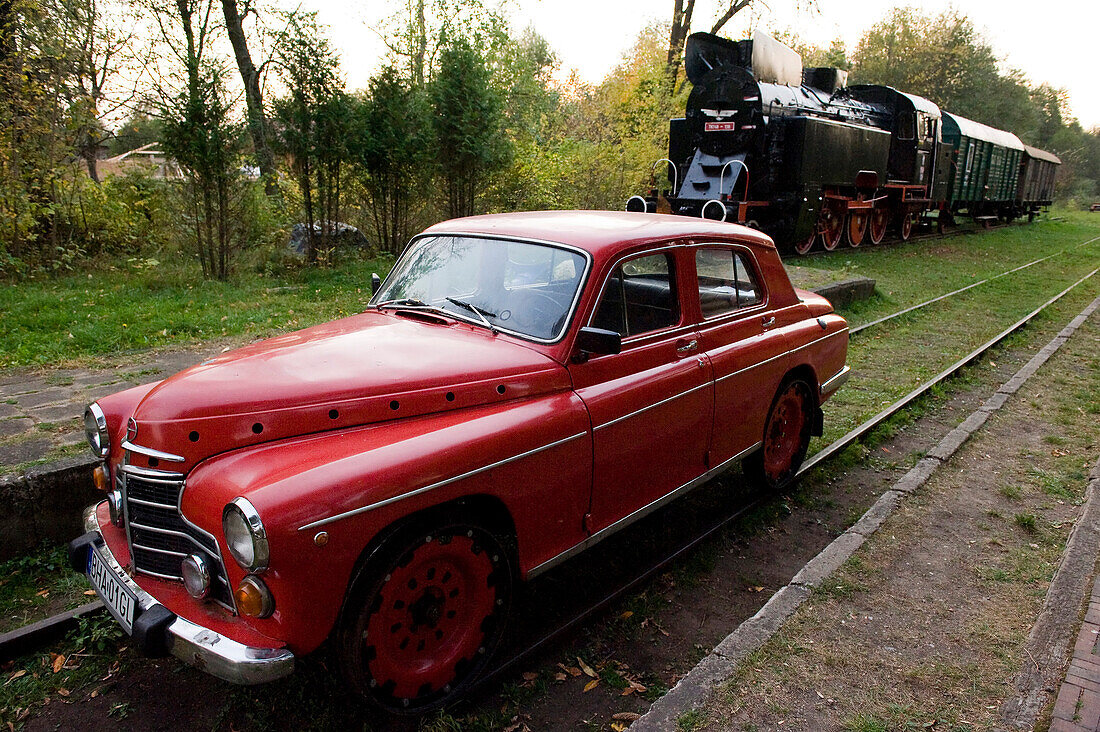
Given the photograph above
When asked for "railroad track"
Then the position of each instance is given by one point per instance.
(56, 626)
(895, 240)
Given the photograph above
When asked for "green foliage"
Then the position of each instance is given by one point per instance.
(391, 144)
(313, 122)
(469, 143)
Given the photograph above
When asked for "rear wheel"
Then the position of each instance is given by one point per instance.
(905, 226)
(786, 437)
(422, 622)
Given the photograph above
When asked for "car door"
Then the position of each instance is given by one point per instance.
(744, 341)
(650, 404)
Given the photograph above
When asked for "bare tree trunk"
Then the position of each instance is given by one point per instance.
(421, 45)
(677, 36)
(735, 7)
(257, 120)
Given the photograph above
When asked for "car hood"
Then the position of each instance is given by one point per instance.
(358, 370)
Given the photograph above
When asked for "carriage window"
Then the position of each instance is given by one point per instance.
(726, 283)
(907, 125)
(640, 296)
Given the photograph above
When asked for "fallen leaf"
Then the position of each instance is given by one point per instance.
(586, 668)
(626, 615)
(58, 662)
(627, 691)
(591, 685)
(560, 676)
(618, 726)
(89, 593)
(756, 588)
(636, 686)
(63, 691)
(530, 675)
(571, 670)
(43, 593)
(94, 694)
(16, 675)
(626, 716)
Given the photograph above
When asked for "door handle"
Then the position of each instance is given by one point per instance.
(768, 322)
(688, 347)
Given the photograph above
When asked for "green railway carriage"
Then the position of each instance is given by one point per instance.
(1035, 188)
(985, 167)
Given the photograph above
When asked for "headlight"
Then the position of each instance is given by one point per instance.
(245, 535)
(95, 429)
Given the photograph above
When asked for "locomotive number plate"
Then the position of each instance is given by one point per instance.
(721, 126)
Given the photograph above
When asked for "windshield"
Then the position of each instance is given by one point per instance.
(518, 287)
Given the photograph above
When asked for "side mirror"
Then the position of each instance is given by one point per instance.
(599, 341)
(375, 282)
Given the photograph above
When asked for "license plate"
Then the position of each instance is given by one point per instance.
(118, 598)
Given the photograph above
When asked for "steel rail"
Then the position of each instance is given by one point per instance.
(839, 445)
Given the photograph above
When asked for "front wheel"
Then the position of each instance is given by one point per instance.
(786, 438)
(422, 622)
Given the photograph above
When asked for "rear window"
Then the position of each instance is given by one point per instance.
(726, 281)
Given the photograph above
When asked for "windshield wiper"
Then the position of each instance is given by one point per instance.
(403, 302)
(479, 312)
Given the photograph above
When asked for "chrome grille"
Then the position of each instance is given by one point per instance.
(160, 537)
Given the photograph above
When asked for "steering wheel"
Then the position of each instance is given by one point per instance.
(535, 312)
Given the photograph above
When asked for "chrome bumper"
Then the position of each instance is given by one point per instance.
(835, 382)
(193, 644)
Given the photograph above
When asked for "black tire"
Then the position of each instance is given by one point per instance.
(444, 588)
(773, 467)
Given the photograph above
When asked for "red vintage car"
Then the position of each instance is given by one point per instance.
(520, 387)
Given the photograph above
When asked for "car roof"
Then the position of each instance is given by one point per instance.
(600, 233)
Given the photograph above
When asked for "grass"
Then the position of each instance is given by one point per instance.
(76, 318)
(38, 584)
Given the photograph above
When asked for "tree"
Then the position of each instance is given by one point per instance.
(681, 27)
(392, 144)
(253, 97)
(418, 33)
(314, 121)
(468, 126)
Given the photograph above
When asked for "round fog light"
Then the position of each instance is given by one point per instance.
(253, 598)
(196, 576)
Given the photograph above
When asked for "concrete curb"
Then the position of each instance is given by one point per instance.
(30, 637)
(45, 504)
(847, 291)
(695, 688)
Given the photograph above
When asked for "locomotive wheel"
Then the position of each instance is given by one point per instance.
(856, 228)
(832, 230)
(786, 437)
(804, 246)
(905, 226)
(421, 624)
(880, 219)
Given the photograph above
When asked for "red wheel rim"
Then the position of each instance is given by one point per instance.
(833, 231)
(857, 226)
(804, 246)
(784, 433)
(906, 227)
(880, 218)
(428, 620)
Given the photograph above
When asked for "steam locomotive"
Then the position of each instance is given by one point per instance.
(806, 158)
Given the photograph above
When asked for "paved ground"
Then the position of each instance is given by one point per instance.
(41, 410)
(1078, 704)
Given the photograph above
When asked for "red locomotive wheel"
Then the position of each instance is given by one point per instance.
(423, 628)
(905, 227)
(857, 227)
(804, 246)
(832, 230)
(786, 437)
(880, 219)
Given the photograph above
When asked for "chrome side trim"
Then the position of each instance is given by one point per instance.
(781, 355)
(201, 647)
(440, 484)
(639, 513)
(636, 412)
(832, 384)
(150, 452)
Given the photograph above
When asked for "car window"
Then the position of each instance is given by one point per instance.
(639, 297)
(726, 282)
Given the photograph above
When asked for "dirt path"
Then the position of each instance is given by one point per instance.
(925, 626)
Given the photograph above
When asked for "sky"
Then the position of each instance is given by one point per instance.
(1049, 41)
